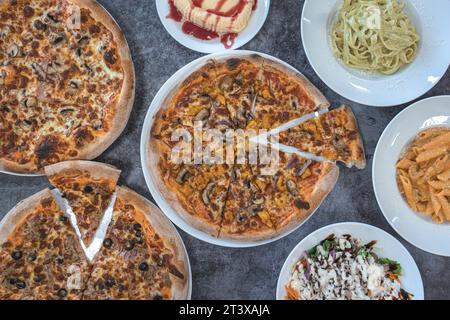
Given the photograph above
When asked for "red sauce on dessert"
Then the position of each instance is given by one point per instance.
(204, 34)
(228, 40)
(174, 13)
(255, 5)
(198, 32)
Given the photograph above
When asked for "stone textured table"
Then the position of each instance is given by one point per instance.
(222, 273)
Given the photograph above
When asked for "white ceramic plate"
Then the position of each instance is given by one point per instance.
(175, 80)
(432, 20)
(209, 46)
(387, 247)
(415, 228)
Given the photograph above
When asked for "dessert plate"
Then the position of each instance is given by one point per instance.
(149, 165)
(415, 228)
(432, 21)
(387, 247)
(255, 23)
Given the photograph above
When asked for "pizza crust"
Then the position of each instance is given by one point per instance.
(250, 237)
(125, 102)
(319, 99)
(357, 147)
(96, 170)
(155, 149)
(322, 188)
(20, 212)
(154, 216)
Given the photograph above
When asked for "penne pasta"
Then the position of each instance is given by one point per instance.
(440, 141)
(405, 163)
(444, 176)
(440, 185)
(423, 174)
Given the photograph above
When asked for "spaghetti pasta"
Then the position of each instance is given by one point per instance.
(374, 36)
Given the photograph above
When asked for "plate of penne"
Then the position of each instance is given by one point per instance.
(411, 174)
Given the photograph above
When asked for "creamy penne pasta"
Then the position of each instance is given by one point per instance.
(423, 174)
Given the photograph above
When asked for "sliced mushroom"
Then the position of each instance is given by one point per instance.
(206, 191)
(258, 198)
(54, 67)
(301, 169)
(227, 83)
(13, 50)
(235, 174)
(4, 108)
(294, 102)
(303, 134)
(182, 175)
(83, 40)
(2, 77)
(292, 187)
(52, 17)
(97, 124)
(39, 71)
(27, 123)
(255, 98)
(248, 212)
(73, 84)
(202, 115)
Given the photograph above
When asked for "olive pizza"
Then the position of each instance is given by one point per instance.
(66, 82)
(238, 200)
(43, 250)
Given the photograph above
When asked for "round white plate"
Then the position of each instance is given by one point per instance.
(432, 21)
(175, 80)
(209, 46)
(387, 247)
(413, 227)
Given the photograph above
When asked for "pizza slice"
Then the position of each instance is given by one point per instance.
(334, 136)
(136, 261)
(88, 187)
(40, 254)
(285, 95)
(297, 189)
(197, 191)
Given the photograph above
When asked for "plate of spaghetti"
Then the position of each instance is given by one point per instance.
(378, 52)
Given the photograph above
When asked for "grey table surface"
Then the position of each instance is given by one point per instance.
(224, 273)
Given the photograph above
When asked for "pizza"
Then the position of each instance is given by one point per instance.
(141, 256)
(333, 135)
(88, 187)
(66, 82)
(40, 255)
(247, 95)
(135, 261)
